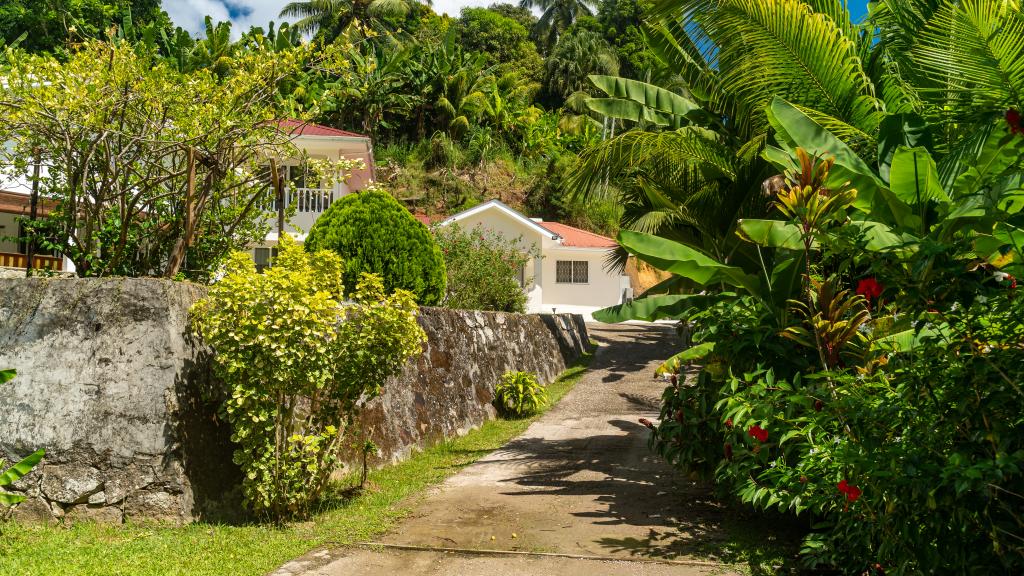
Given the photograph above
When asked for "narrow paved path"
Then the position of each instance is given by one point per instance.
(579, 493)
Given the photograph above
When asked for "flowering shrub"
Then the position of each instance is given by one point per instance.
(484, 268)
(297, 365)
(865, 371)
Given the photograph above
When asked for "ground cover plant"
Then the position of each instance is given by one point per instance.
(201, 549)
(519, 394)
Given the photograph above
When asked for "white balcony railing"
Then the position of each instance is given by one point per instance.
(306, 200)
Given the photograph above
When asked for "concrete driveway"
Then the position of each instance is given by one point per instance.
(578, 493)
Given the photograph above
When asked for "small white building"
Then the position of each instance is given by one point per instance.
(570, 275)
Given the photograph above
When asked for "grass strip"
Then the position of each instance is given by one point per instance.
(200, 549)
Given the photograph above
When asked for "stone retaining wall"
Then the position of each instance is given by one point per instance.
(112, 385)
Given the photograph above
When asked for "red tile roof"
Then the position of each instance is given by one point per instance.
(576, 238)
(426, 219)
(299, 128)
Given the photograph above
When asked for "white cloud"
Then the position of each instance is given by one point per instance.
(189, 14)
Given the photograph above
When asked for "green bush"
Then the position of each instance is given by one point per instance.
(483, 269)
(519, 394)
(375, 234)
(297, 364)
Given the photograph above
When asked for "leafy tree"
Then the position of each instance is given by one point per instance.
(154, 172)
(50, 25)
(504, 41)
(298, 363)
(374, 233)
(522, 15)
(484, 268)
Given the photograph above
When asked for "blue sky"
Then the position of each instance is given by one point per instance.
(189, 13)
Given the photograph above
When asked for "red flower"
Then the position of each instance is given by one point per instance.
(728, 451)
(852, 492)
(1013, 120)
(728, 423)
(818, 405)
(647, 423)
(759, 433)
(869, 288)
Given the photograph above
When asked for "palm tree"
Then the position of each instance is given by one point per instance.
(556, 17)
(690, 173)
(575, 57)
(331, 18)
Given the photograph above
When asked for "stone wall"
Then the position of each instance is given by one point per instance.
(111, 384)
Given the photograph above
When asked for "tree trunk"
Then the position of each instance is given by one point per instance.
(177, 256)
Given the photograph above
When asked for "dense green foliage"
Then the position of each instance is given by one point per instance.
(858, 328)
(297, 364)
(484, 268)
(52, 25)
(519, 395)
(374, 234)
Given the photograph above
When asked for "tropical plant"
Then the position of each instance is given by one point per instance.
(556, 17)
(332, 18)
(934, 265)
(576, 56)
(20, 469)
(373, 233)
(486, 271)
(298, 362)
(519, 395)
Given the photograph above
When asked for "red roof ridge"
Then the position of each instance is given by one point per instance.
(301, 128)
(577, 237)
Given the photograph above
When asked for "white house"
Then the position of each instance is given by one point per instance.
(571, 273)
(301, 188)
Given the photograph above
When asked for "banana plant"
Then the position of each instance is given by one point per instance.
(16, 472)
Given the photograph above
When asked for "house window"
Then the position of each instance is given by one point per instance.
(572, 271)
(263, 258)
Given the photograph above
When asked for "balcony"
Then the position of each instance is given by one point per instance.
(15, 260)
(307, 200)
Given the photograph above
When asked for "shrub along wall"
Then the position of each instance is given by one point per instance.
(112, 385)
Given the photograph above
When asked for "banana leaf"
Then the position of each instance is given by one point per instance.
(12, 474)
(653, 308)
(795, 129)
(771, 233)
(696, 352)
(685, 261)
(648, 95)
(914, 177)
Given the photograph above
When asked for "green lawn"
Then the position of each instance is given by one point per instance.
(200, 549)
